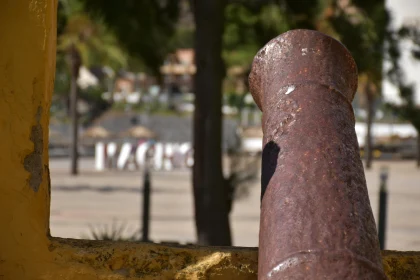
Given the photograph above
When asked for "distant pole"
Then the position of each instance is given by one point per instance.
(146, 204)
(383, 200)
(75, 63)
(245, 117)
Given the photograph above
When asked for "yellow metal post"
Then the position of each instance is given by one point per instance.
(27, 66)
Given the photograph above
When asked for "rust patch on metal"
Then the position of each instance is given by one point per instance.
(33, 162)
(316, 220)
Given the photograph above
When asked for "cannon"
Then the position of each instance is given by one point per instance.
(316, 220)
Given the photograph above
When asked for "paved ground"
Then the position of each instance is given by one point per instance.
(97, 199)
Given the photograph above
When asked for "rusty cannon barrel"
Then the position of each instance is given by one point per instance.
(316, 219)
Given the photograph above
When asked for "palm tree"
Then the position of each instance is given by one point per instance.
(362, 26)
(85, 42)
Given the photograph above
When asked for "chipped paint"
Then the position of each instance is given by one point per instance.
(33, 162)
(38, 15)
(290, 89)
(283, 265)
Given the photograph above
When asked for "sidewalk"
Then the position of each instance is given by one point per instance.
(96, 199)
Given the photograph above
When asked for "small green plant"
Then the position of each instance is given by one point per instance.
(115, 232)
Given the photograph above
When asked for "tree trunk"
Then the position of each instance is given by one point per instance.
(74, 65)
(210, 195)
(370, 98)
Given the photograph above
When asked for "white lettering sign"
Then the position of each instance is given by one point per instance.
(160, 156)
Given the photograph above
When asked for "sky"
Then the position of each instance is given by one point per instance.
(403, 11)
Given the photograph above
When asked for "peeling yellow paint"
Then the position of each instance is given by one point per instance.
(27, 64)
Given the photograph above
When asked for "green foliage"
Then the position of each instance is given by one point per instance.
(62, 76)
(408, 110)
(239, 38)
(412, 33)
(234, 100)
(143, 27)
(61, 87)
(362, 28)
(96, 44)
(115, 232)
(97, 105)
(61, 17)
(248, 26)
(274, 20)
(183, 38)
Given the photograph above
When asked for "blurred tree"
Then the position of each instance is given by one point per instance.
(144, 28)
(251, 24)
(183, 38)
(61, 18)
(61, 87)
(240, 41)
(210, 192)
(236, 30)
(83, 41)
(361, 25)
(408, 110)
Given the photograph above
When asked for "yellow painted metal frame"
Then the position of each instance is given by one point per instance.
(27, 65)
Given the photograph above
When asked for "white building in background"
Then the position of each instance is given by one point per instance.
(404, 12)
(253, 143)
(86, 78)
(383, 131)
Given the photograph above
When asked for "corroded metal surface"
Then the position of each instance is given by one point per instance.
(316, 219)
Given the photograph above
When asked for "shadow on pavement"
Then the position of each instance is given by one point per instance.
(111, 189)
